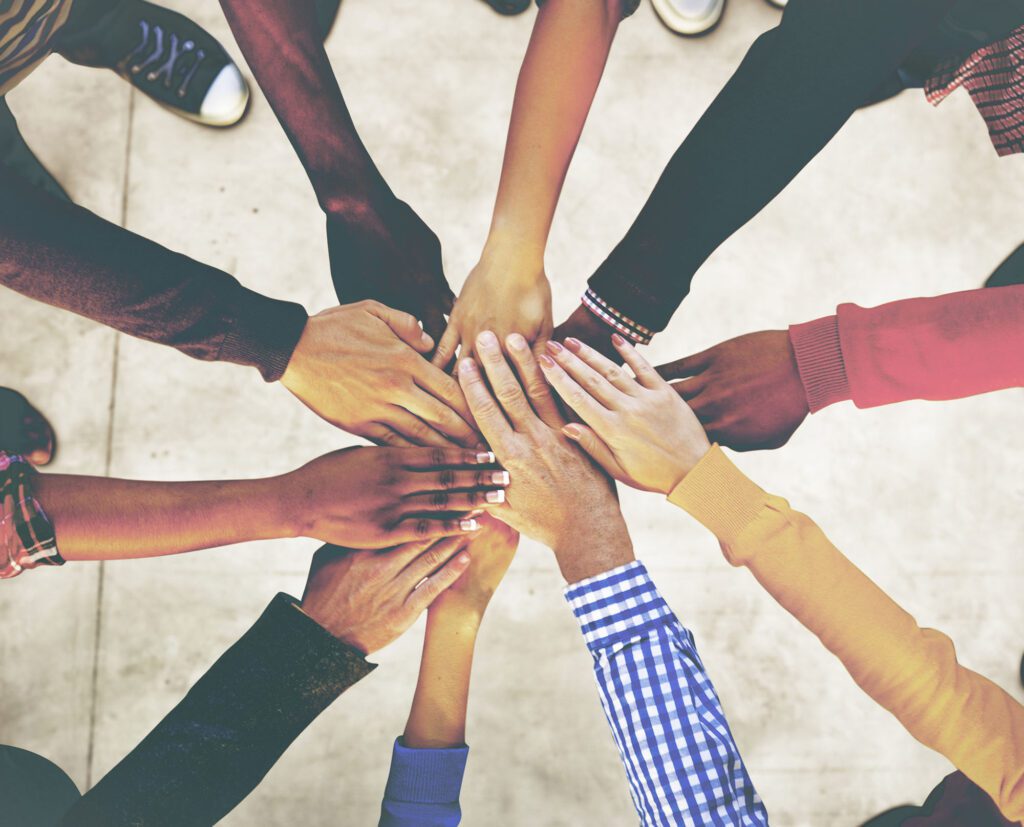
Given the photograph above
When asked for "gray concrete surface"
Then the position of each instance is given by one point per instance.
(907, 201)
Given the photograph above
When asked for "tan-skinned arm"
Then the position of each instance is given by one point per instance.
(508, 291)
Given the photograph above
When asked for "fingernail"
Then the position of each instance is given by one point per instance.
(463, 559)
(618, 340)
(546, 361)
(500, 478)
(573, 344)
(554, 347)
(495, 496)
(572, 431)
(469, 525)
(516, 342)
(487, 339)
(485, 458)
(466, 366)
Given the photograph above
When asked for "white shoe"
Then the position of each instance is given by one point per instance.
(226, 99)
(779, 4)
(690, 17)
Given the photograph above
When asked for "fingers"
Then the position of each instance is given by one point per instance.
(435, 458)
(611, 371)
(404, 325)
(380, 434)
(595, 448)
(507, 389)
(642, 370)
(430, 560)
(586, 377)
(439, 416)
(452, 480)
(434, 322)
(429, 590)
(447, 347)
(687, 366)
(448, 501)
(442, 387)
(579, 400)
(689, 388)
(485, 409)
(412, 429)
(538, 391)
(433, 527)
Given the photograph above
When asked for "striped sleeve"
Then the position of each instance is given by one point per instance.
(680, 757)
(27, 538)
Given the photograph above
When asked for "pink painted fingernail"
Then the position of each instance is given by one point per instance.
(469, 525)
(618, 340)
(462, 559)
(500, 478)
(516, 342)
(546, 361)
(495, 496)
(572, 431)
(485, 458)
(554, 347)
(573, 344)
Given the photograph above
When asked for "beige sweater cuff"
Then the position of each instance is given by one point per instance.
(719, 496)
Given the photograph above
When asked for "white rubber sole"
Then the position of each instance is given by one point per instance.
(688, 26)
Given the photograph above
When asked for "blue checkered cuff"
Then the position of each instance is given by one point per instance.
(617, 605)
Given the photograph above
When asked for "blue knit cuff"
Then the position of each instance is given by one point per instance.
(426, 776)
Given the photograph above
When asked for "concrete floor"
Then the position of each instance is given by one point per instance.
(925, 497)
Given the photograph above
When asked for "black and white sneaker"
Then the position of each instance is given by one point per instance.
(167, 57)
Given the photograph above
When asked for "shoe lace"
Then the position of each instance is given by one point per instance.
(179, 56)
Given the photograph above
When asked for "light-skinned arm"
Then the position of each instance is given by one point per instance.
(508, 291)
(641, 432)
(366, 497)
(679, 754)
(429, 759)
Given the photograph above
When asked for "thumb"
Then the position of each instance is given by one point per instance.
(685, 367)
(596, 449)
(404, 325)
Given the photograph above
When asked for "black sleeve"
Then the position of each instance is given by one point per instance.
(794, 90)
(216, 745)
(66, 256)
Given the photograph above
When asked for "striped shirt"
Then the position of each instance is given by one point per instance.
(27, 29)
(683, 765)
(26, 534)
(994, 77)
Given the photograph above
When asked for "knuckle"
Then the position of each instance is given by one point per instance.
(421, 527)
(439, 500)
(613, 374)
(438, 457)
(447, 478)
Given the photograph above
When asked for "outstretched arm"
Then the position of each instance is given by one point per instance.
(429, 759)
(380, 249)
(508, 290)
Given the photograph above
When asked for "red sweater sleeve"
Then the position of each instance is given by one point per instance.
(946, 347)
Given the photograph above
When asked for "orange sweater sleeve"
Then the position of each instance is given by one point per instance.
(912, 672)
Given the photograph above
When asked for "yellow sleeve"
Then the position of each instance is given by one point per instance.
(912, 672)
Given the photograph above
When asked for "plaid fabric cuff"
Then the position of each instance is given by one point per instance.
(634, 331)
(617, 605)
(27, 538)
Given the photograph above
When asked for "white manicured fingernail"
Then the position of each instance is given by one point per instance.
(485, 458)
(500, 477)
(495, 496)
(469, 525)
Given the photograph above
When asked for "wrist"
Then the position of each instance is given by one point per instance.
(586, 553)
(510, 243)
(287, 508)
(456, 619)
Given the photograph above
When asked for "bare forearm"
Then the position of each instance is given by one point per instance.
(438, 715)
(96, 518)
(285, 51)
(559, 78)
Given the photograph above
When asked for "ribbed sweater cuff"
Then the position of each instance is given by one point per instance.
(426, 776)
(719, 495)
(819, 358)
(263, 333)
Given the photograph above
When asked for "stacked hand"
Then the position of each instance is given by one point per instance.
(361, 367)
(636, 427)
(746, 391)
(378, 497)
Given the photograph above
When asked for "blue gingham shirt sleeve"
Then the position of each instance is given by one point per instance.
(681, 760)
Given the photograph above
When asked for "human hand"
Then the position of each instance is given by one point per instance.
(361, 367)
(368, 598)
(557, 495)
(588, 328)
(384, 251)
(504, 294)
(379, 497)
(746, 391)
(637, 429)
(492, 549)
